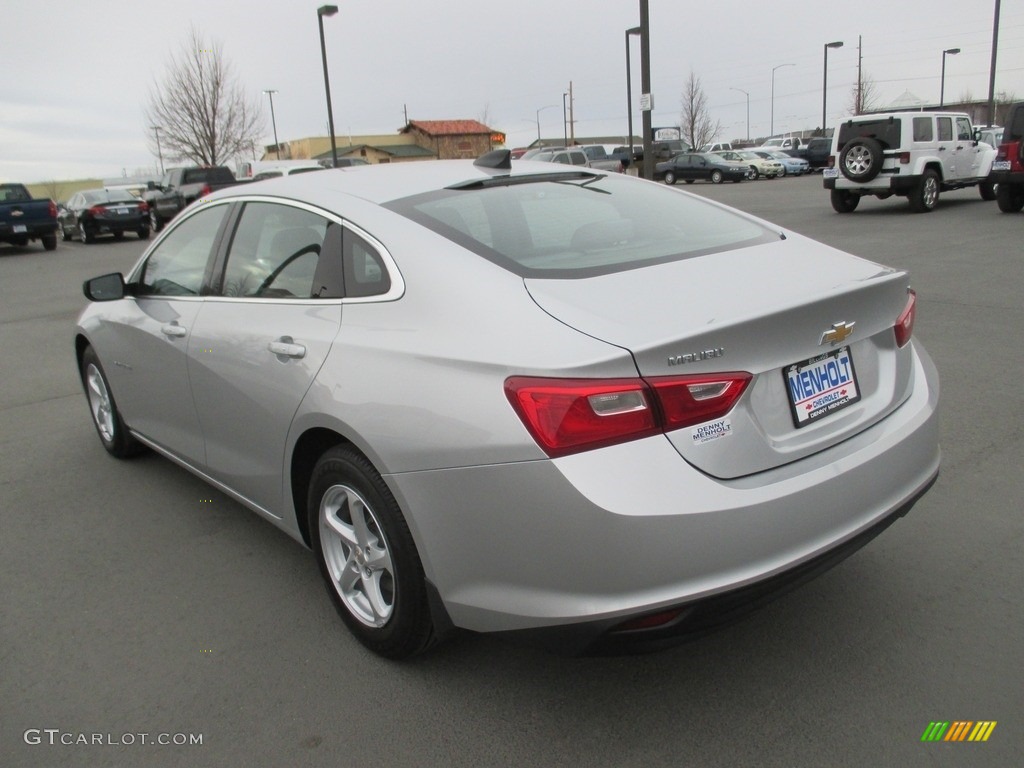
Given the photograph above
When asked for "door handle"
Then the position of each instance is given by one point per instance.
(286, 347)
(173, 330)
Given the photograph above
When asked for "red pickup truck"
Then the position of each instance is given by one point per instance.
(23, 219)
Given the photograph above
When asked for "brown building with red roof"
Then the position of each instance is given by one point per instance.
(453, 139)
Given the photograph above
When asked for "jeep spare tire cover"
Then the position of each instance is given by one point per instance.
(861, 159)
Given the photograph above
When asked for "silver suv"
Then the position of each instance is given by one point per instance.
(912, 154)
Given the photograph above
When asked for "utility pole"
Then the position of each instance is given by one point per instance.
(645, 86)
(992, 69)
(572, 119)
(860, 78)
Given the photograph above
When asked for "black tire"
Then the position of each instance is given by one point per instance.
(716, 177)
(377, 583)
(782, 171)
(1010, 197)
(670, 177)
(110, 427)
(987, 190)
(753, 174)
(87, 236)
(925, 196)
(861, 159)
(155, 223)
(49, 242)
(143, 233)
(63, 232)
(844, 201)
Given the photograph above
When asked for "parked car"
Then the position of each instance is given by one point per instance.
(912, 154)
(274, 173)
(717, 147)
(758, 166)
(347, 162)
(784, 142)
(94, 212)
(23, 219)
(1008, 167)
(563, 155)
(990, 134)
(817, 152)
(599, 157)
(558, 403)
(694, 166)
(791, 166)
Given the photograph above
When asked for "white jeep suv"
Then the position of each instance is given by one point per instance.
(911, 154)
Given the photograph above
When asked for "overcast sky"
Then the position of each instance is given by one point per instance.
(77, 75)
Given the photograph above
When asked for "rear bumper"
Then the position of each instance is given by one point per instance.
(896, 185)
(570, 548)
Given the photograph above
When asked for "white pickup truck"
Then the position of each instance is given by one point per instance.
(911, 154)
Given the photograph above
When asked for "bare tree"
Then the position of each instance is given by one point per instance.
(698, 127)
(863, 95)
(201, 107)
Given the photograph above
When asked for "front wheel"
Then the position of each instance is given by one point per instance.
(716, 177)
(116, 438)
(367, 556)
(1010, 197)
(844, 201)
(925, 196)
(753, 173)
(670, 178)
(86, 236)
(155, 224)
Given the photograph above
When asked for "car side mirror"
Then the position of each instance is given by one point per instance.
(105, 287)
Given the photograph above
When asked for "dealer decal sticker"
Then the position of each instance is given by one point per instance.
(714, 430)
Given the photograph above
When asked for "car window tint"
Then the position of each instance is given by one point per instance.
(365, 273)
(573, 227)
(923, 129)
(945, 128)
(177, 266)
(274, 252)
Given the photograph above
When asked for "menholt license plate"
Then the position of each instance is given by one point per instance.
(821, 386)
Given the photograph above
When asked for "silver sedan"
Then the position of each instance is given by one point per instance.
(567, 405)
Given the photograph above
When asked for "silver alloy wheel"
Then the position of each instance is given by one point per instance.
(858, 160)
(930, 193)
(357, 555)
(99, 402)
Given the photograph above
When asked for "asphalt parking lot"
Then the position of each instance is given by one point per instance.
(137, 600)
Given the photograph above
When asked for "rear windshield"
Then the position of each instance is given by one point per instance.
(579, 225)
(214, 175)
(886, 131)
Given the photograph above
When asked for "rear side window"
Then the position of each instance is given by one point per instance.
(945, 125)
(577, 225)
(886, 131)
(923, 129)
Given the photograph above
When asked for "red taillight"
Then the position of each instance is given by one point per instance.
(831, 161)
(143, 206)
(97, 210)
(904, 327)
(572, 415)
(904, 158)
(205, 190)
(53, 210)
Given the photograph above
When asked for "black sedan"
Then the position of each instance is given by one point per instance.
(690, 166)
(95, 212)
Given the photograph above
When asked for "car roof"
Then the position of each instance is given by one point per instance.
(382, 183)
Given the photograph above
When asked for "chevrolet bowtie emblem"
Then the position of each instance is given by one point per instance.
(836, 333)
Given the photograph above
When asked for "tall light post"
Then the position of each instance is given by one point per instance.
(327, 10)
(748, 109)
(629, 92)
(824, 82)
(159, 152)
(771, 124)
(942, 82)
(565, 125)
(273, 122)
(549, 106)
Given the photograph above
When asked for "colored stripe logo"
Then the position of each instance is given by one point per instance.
(958, 730)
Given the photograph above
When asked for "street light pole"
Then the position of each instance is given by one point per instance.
(565, 126)
(159, 152)
(327, 10)
(748, 109)
(629, 92)
(549, 106)
(824, 82)
(273, 122)
(942, 82)
(771, 124)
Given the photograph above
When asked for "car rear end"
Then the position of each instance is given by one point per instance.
(1008, 167)
(779, 414)
(116, 216)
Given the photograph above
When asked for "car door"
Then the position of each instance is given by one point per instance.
(147, 338)
(968, 151)
(947, 145)
(262, 338)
